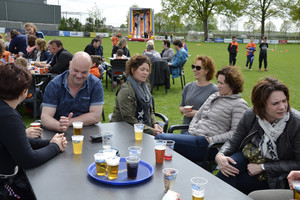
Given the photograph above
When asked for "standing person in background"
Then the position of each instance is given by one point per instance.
(167, 53)
(251, 47)
(171, 37)
(8, 39)
(18, 42)
(184, 45)
(233, 48)
(32, 30)
(114, 40)
(263, 48)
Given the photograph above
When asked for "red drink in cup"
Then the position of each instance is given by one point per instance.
(160, 148)
(169, 150)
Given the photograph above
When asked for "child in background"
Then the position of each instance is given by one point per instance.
(263, 48)
(96, 63)
(233, 48)
(251, 47)
(114, 40)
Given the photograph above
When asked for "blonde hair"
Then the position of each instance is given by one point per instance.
(21, 61)
(41, 43)
(31, 25)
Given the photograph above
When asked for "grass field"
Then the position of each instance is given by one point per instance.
(281, 64)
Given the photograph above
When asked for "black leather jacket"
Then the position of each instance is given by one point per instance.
(288, 143)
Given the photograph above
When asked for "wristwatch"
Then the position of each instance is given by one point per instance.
(262, 167)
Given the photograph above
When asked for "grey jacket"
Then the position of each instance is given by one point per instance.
(167, 54)
(218, 117)
(288, 143)
(125, 107)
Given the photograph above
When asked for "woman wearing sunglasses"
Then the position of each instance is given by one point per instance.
(217, 118)
(195, 93)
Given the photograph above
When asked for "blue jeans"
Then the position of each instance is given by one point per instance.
(190, 146)
(243, 181)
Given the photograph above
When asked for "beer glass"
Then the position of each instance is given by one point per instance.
(138, 131)
(135, 151)
(112, 167)
(296, 186)
(132, 166)
(77, 141)
(106, 139)
(100, 161)
(169, 178)
(160, 148)
(198, 188)
(77, 128)
(35, 124)
(169, 150)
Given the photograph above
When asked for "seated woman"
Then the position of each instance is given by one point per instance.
(31, 49)
(195, 93)
(134, 101)
(43, 54)
(16, 150)
(4, 55)
(266, 143)
(122, 44)
(217, 118)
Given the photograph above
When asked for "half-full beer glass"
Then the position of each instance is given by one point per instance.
(112, 167)
(77, 128)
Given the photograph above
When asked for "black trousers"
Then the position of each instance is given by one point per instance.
(232, 59)
(263, 57)
(249, 60)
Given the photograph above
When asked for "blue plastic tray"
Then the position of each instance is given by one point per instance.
(145, 171)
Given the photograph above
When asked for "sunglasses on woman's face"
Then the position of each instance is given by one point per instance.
(198, 68)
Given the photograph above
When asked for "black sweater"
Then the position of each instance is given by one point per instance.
(16, 148)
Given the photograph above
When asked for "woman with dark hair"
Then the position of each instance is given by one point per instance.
(16, 150)
(18, 42)
(134, 101)
(217, 118)
(266, 143)
(194, 94)
(167, 53)
(31, 49)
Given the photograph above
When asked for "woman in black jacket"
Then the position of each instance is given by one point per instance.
(17, 152)
(266, 142)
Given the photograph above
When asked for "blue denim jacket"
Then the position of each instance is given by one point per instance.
(57, 95)
(179, 58)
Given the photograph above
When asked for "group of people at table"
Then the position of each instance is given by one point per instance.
(260, 143)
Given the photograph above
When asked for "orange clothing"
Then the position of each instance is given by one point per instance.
(6, 55)
(249, 45)
(115, 40)
(95, 71)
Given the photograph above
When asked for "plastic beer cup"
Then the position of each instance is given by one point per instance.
(198, 188)
(132, 163)
(169, 150)
(100, 161)
(138, 131)
(106, 139)
(296, 186)
(135, 151)
(77, 141)
(160, 148)
(169, 178)
(35, 124)
(77, 128)
(112, 167)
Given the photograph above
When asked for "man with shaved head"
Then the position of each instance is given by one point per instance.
(75, 95)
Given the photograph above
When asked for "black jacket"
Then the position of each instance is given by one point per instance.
(60, 61)
(90, 49)
(288, 143)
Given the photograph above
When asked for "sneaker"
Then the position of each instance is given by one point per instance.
(250, 69)
(246, 68)
(266, 70)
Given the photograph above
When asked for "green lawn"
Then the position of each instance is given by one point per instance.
(281, 64)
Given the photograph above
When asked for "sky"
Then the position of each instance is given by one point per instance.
(115, 11)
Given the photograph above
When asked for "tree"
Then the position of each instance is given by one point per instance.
(295, 11)
(123, 26)
(286, 26)
(95, 21)
(249, 25)
(175, 23)
(63, 24)
(229, 22)
(202, 9)
(261, 10)
(270, 27)
(77, 25)
(160, 20)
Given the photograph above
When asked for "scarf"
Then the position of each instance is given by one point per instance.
(267, 146)
(38, 56)
(143, 96)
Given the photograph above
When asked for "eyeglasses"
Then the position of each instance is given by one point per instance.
(198, 68)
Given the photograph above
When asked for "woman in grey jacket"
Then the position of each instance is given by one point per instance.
(167, 53)
(216, 119)
(266, 142)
